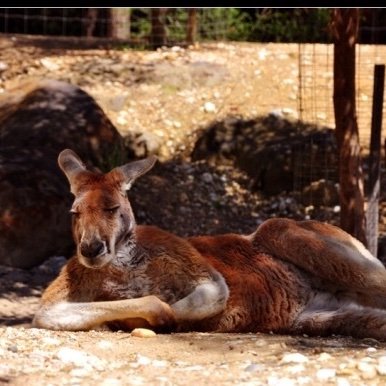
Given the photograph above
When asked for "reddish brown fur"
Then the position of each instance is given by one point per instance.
(264, 293)
(287, 277)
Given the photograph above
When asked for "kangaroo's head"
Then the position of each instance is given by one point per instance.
(103, 222)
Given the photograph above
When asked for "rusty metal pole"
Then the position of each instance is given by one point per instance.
(373, 190)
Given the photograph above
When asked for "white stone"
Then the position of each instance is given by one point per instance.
(121, 120)
(263, 53)
(78, 358)
(342, 382)
(294, 358)
(381, 368)
(51, 341)
(324, 356)
(209, 107)
(295, 369)
(304, 380)
(3, 66)
(288, 111)
(49, 64)
(104, 344)
(368, 370)
(142, 360)
(325, 374)
(159, 363)
(80, 372)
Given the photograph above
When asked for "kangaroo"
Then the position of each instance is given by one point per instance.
(287, 277)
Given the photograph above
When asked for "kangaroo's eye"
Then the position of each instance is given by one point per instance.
(112, 210)
(74, 213)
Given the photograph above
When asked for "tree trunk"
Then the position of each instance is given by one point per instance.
(345, 30)
(119, 23)
(158, 29)
(191, 29)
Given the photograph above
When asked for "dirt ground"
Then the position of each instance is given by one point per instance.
(166, 98)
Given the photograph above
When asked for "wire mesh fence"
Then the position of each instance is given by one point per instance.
(134, 24)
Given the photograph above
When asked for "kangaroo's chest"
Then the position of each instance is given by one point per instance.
(117, 285)
(135, 283)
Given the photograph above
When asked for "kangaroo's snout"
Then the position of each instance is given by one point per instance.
(92, 249)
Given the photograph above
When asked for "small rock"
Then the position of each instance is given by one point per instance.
(295, 369)
(324, 356)
(49, 64)
(381, 367)
(3, 66)
(209, 107)
(207, 177)
(262, 54)
(118, 102)
(368, 371)
(121, 120)
(143, 333)
(294, 358)
(289, 112)
(51, 341)
(342, 382)
(158, 363)
(142, 360)
(105, 344)
(254, 367)
(78, 358)
(325, 374)
(80, 372)
(13, 348)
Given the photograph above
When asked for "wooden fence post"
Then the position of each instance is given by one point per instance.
(345, 23)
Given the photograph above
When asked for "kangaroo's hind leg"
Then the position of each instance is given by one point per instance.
(327, 253)
(350, 320)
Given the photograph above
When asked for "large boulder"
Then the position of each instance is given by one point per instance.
(37, 121)
(279, 154)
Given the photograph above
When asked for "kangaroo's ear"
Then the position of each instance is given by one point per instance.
(71, 165)
(133, 170)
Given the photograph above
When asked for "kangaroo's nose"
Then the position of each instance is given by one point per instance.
(92, 249)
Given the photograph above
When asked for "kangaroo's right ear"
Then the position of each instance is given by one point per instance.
(135, 169)
(71, 165)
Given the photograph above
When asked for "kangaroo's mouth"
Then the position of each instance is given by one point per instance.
(95, 262)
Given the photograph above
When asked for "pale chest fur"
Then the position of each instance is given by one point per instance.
(150, 277)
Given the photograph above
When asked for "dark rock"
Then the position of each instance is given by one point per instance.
(320, 193)
(37, 122)
(278, 154)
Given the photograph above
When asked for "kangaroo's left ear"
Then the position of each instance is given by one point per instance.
(72, 166)
(133, 170)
